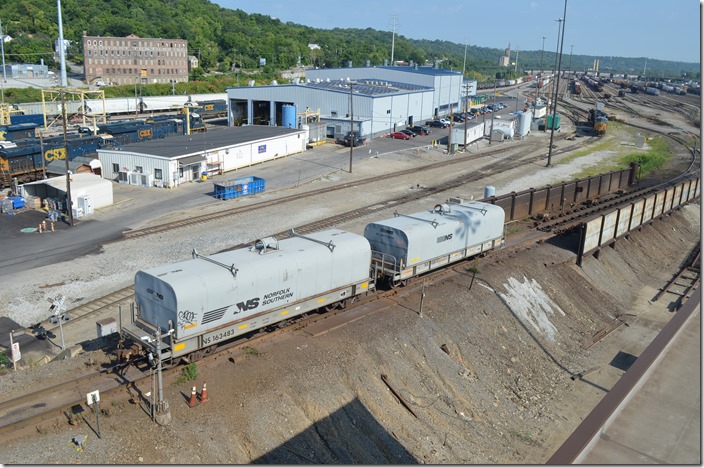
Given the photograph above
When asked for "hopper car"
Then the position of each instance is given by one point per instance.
(196, 304)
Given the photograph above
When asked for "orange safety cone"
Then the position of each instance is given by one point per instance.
(193, 402)
(204, 394)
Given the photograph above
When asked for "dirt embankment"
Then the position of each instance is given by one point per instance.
(486, 369)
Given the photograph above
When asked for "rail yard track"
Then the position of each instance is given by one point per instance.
(52, 402)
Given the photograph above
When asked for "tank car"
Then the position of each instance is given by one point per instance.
(408, 245)
(200, 302)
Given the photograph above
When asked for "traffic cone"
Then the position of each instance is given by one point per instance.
(204, 395)
(193, 402)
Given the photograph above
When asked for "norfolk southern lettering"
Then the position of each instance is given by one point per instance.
(271, 298)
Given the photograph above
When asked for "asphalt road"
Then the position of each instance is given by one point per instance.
(134, 206)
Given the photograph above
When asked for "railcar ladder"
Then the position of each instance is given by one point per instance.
(5, 178)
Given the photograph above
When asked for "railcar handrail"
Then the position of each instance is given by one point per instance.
(328, 244)
(230, 268)
(433, 222)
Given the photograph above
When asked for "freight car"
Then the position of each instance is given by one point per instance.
(207, 300)
(577, 87)
(196, 304)
(408, 245)
(653, 91)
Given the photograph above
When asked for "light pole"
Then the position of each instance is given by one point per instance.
(569, 69)
(557, 47)
(537, 88)
(2, 48)
(557, 85)
(542, 51)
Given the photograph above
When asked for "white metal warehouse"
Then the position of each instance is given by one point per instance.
(370, 100)
(178, 159)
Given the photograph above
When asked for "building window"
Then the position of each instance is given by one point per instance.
(157, 174)
(138, 169)
(115, 167)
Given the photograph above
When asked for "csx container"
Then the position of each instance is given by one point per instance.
(407, 245)
(210, 299)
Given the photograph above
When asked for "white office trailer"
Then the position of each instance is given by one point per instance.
(178, 159)
(474, 131)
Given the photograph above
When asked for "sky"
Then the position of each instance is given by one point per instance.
(655, 29)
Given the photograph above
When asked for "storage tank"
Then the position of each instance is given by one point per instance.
(524, 121)
(288, 118)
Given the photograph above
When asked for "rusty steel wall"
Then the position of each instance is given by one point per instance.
(555, 199)
(606, 228)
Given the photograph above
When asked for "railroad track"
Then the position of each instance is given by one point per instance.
(486, 172)
(27, 410)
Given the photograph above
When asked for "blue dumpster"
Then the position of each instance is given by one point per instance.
(236, 188)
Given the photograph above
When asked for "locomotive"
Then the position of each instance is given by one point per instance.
(196, 304)
(599, 120)
(23, 160)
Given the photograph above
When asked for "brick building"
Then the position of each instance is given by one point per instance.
(132, 59)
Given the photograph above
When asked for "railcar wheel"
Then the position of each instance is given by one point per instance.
(397, 283)
(331, 306)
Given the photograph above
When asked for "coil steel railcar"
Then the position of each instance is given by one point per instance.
(409, 245)
(197, 304)
(201, 302)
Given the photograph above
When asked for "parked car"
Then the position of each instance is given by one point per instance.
(399, 136)
(436, 123)
(421, 130)
(408, 132)
(352, 139)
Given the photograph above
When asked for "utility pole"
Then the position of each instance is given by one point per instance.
(69, 202)
(515, 65)
(493, 100)
(466, 95)
(449, 136)
(557, 86)
(569, 69)
(352, 138)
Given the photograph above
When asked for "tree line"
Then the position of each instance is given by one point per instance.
(224, 39)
